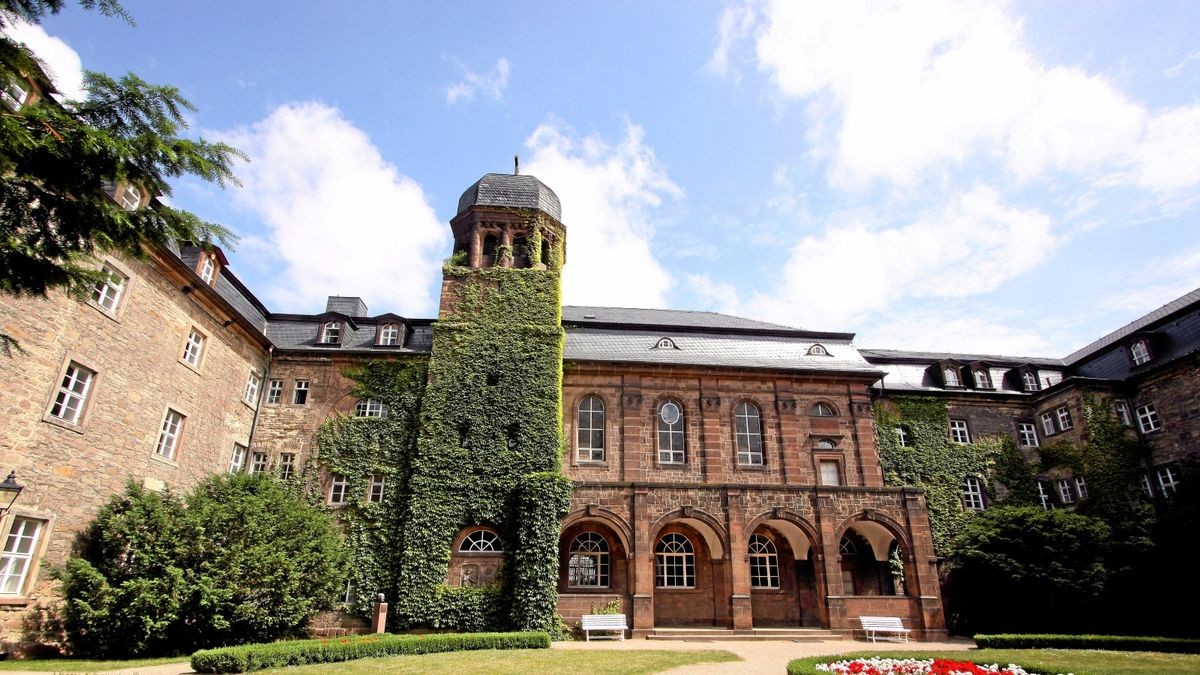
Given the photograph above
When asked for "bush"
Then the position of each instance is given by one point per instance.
(246, 658)
(1120, 643)
(241, 559)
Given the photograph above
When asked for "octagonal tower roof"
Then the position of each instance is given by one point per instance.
(513, 190)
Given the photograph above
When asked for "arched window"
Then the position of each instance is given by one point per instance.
(489, 251)
(676, 562)
(665, 343)
(481, 541)
(747, 431)
(822, 410)
(950, 377)
(847, 547)
(331, 333)
(826, 444)
(389, 335)
(520, 251)
(589, 431)
(818, 350)
(670, 433)
(764, 563)
(588, 566)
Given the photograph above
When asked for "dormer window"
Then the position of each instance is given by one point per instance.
(389, 335)
(131, 198)
(1029, 380)
(982, 379)
(1140, 352)
(950, 377)
(208, 269)
(331, 333)
(665, 343)
(818, 350)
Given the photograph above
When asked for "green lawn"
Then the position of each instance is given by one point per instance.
(1054, 661)
(84, 665)
(520, 662)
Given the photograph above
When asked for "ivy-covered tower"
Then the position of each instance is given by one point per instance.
(488, 456)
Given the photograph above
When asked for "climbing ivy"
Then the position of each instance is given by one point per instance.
(932, 462)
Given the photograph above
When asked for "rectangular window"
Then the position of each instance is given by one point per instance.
(389, 335)
(131, 198)
(208, 270)
(1080, 487)
(20, 548)
(72, 394)
(1047, 424)
(1168, 481)
(300, 393)
(1121, 410)
(972, 493)
(274, 392)
(830, 472)
(1139, 352)
(1027, 433)
(238, 459)
(194, 348)
(349, 594)
(375, 492)
(1148, 419)
(287, 465)
(168, 437)
(902, 437)
(1044, 496)
(1146, 488)
(258, 462)
(1064, 491)
(339, 487)
(1064, 417)
(250, 396)
(959, 432)
(108, 291)
(1029, 379)
(369, 407)
(14, 94)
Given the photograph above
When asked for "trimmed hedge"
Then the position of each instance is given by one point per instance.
(1120, 643)
(245, 658)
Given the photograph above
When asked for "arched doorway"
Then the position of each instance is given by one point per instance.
(689, 577)
(872, 560)
(783, 579)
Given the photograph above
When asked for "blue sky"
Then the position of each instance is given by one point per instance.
(1013, 178)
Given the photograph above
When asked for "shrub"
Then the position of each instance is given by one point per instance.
(246, 658)
(1120, 643)
(241, 559)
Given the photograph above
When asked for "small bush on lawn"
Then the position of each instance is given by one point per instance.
(1121, 643)
(246, 658)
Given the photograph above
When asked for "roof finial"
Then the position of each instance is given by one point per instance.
(516, 165)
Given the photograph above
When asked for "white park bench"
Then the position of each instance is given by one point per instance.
(604, 622)
(880, 626)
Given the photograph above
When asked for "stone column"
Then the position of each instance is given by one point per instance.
(922, 566)
(835, 607)
(642, 568)
(791, 446)
(475, 246)
(739, 561)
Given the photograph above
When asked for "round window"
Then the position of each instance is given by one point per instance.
(669, 412)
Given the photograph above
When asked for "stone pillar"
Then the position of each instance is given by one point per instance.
(922, 566)
(506, 239)
(831, 564)
(739, 562)
(864, 436)
(379, 620)
(711, 417)
(642, 568)
(475, 247)
(635, 458)
(791, 446)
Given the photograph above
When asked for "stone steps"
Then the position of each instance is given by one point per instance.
(754, 634)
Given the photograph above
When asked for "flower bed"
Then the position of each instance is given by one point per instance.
(882, 666)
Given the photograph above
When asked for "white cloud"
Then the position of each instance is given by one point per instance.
(717, 296)
(490, 84)
(63, 64)
(736, 24)
(1169, 158)
(957, 331)
(341, 218)
(1155, 283)
(609, 194)
(907, 86)
(972, 246)
(1176, 69)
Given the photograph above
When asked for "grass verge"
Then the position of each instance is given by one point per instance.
(87, 665)
(1052, 661)
(521, 662)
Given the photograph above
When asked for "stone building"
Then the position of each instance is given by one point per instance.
(725, 470)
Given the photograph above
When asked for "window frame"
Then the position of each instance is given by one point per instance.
(1140, 357)
(1122, 413)
(208, 269)
(1044, 496)
(1080, 488)
(674, 434)
(260, 462)
(1048, 428)
(384, 339)
(1029, 381)
(674, 564)
(35, 556)
(274, 392)
(901, 436)
(370, 408)
(982, 377)
(100, 290)
(85, 398)
(128, 204)
(957, 426)
(589, 453)
(1149, 421)
(819, 408)
(1062, 414)
(594, 549)
(973, 494)
(286, 469)
(481, 540)
(376, 487)
(823, 462)
(173, 435)
(15, 102)
(1027, 435)
(331, 333)
(1168, 480)
(297, 388)
(339, 486)
(764, 562)
(749, 437)
(1066, 493)
(237, 458)
(951, 377)
(193, 352)
(250, 395)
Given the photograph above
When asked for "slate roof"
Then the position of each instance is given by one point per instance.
(583, 315)
(292, 332)
(1138, 324)
(717, 349)
(516, 190)
(933, 357)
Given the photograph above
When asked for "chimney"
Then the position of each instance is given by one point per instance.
(348, 305)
